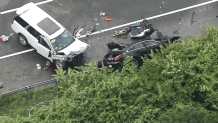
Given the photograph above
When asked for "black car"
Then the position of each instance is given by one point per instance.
(116, 53)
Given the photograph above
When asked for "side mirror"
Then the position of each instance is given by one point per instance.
(49, 54)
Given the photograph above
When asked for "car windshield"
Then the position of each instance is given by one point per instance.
(62, 41)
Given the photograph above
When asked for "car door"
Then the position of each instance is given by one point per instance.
(43, 48)
(151, 45)
(138, 49)
(32, 36)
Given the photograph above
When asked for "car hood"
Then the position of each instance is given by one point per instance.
(76, 47)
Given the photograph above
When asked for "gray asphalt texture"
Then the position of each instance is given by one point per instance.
(21, 70)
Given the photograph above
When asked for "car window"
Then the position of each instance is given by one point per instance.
(139, 45)
(48, 26)
(21, 21)
(62, 41)
(149, 43)
(33, 32)
(43, 43)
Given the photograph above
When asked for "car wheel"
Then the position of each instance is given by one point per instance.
(99, 64)
(23, 40)
(61, 64)
(136, 62)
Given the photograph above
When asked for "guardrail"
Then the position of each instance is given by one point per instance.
(27, 88)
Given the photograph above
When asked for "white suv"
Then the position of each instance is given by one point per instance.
(50, 39)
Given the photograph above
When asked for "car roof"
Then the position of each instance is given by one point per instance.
(131, 45)
(40, 20)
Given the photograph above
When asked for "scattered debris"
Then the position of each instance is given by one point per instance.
(103, 14)
(38, 66)
(137, 23)
(193, 13)
(107, 19)
(97, 24)
(90, 31)
(124, 31)
(1, 85)
(65, 11)
(6, 38)
(176, 31)
(50, 66)
(159, 34)
(96, 19)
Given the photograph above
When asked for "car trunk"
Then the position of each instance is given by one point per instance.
(110, 57)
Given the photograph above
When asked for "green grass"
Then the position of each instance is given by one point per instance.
(13, 105)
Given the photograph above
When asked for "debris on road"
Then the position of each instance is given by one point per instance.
(193, 13)
(103, 14)
(95, 19)
(1, 85)
(50, 66)
(175, 31)
(97, 24)
(90, 31)
(38, 66)
(124, 31)
(6, 38)
(107, 19)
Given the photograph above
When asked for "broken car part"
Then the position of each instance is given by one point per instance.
(6, 38)
(141, 29)
(90, 30)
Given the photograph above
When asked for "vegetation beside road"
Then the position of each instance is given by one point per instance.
(19, 104)
(180, 84)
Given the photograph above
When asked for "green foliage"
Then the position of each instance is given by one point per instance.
(179, 84)
(20, 104)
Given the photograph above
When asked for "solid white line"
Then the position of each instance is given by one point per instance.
(157, 16)
(44, 2)
(18, 53)
(8, 11)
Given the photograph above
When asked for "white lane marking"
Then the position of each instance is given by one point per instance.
(157, 16)
(18, 53)
(8, 11)
(47, 1)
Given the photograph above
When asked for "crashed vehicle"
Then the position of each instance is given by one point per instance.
(50, 39)
(117, 53)
(141, 30)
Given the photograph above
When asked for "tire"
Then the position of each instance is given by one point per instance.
(61, 64)
(99, 64)
(23, 40)
(136, 62)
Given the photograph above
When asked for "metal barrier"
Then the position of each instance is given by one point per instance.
(27, 88)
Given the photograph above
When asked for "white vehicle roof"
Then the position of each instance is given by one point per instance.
(40, 20)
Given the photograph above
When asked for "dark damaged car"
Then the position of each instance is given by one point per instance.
(117, 53)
